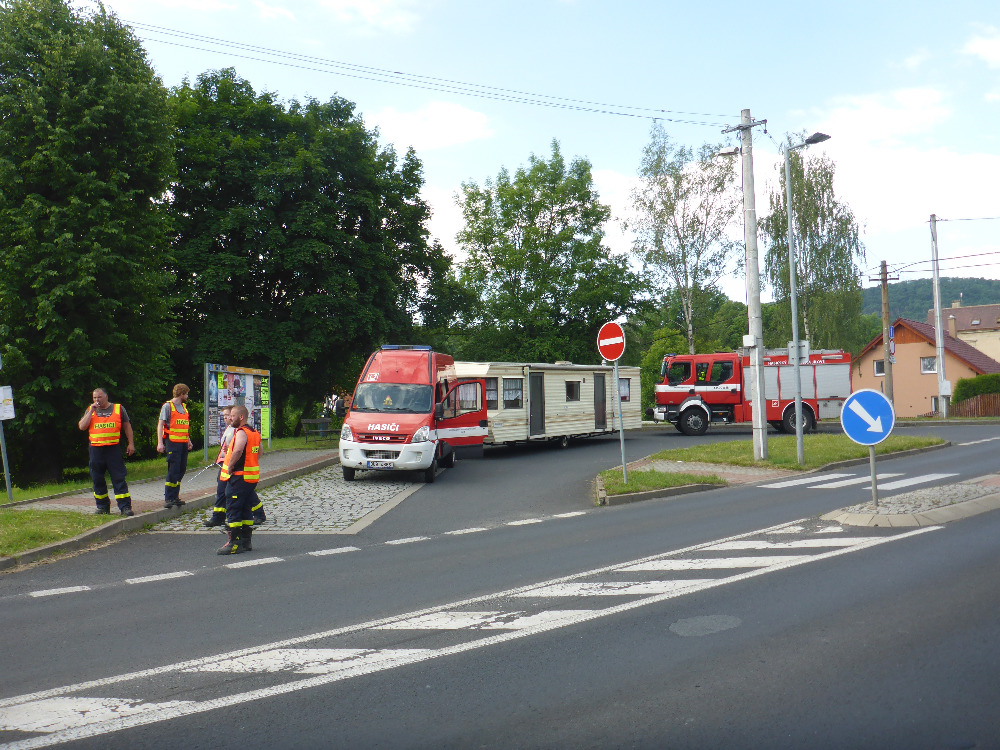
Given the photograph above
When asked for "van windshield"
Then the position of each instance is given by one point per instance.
(395, 397)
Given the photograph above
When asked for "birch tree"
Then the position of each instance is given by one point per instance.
(683, 209)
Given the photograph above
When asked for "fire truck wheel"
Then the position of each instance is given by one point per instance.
(788, 421)
(693, 422)
(431, 472)
(448, 461)
(776, 424)
(348, 474)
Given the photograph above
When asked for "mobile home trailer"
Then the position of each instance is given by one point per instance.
(531, 401)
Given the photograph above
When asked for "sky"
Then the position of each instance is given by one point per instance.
(910, 98)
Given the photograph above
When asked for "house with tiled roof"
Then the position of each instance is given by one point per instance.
(978, 325)
(914, 374)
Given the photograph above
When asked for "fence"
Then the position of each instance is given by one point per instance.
(983, 405)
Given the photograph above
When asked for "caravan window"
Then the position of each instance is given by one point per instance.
(625, 389)
(572, 390)
(513, 393)
(491, 393)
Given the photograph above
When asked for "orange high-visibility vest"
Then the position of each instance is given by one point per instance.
(177, 429)
(106, 430)
(248, 465)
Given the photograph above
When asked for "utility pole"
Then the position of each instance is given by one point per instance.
(756, 325)
(887, 355)
(944, 387)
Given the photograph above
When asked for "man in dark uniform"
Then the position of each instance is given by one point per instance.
(105, 422)
(241, 469)
(173, 438)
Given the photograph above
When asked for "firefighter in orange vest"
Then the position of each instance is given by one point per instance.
(241, 470)
(105, 422)
(218, 517)
(173, 438)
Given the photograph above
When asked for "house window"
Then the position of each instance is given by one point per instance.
(491, 393)
(513, 393)
(572, 390)
(625, 389)
(879, 367)
(928, 365)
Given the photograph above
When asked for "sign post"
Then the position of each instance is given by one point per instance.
(611, 346)
(6, 412)
(867, 418)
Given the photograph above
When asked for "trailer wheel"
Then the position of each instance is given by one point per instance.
(431, 472)
(564, 441)
(693, 422)
(788, 420)
(348, 473)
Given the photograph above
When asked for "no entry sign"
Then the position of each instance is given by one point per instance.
(611, 342)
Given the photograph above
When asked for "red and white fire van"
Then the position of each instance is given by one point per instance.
(410, 412)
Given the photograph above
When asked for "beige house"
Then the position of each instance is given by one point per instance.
(978, 325)
(914, 375)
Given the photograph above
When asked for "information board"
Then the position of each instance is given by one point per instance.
(230, 385)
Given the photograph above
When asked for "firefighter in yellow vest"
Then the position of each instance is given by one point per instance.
(105, 422)
(173, 438)
(241, 471)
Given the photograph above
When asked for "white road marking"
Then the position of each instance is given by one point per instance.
(977, 442)
(409, 540)
(791, 530)
(55, 592)
(574, 514)
(161, 577)
(334, 551)
(473, 530)
(151, 713)
(490, 620)
(526, 522)
(616, 588)
(831, 530)
(914, 480)
(849, 482)
(60, 714)
(310, 660)
(804, 480)
(797, 544)
(717, 563)
(252, 563)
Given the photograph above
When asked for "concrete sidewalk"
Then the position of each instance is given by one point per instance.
(197, 491)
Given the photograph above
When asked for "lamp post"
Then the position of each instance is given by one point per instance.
(814, 138)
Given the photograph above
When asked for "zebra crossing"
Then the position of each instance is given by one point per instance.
(836, 481)
(111, 704)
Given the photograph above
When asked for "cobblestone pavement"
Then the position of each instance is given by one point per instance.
(318, 503)
(931, 498)
(732, 474)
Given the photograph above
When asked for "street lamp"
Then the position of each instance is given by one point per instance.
(814, 138)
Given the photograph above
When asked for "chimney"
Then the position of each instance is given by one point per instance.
(952, 327)
(956, 303)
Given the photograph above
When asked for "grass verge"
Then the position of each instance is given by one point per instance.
(22, 530)
(819, 449)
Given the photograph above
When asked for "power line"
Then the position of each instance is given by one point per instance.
(980, 218)
(954, 257)
(411, 80)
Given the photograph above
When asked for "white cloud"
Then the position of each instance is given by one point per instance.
(272, 12)
(397, 16)
(446, 217)
(130, 7)
(985, 46)
(437, 125)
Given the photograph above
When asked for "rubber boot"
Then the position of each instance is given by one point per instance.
(234, 545)
(246, 538)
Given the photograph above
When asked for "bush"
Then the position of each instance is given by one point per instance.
(968, 387)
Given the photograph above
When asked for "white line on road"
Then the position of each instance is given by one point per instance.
(252, 563)
(804, 480)
(161, 577)
(977, 442)
(797, 544)
(914, 480)
(717, 563)
(849, 482)
(459, 532)
(54, 592)
(334, 551)
(409, 540)
(526, 522)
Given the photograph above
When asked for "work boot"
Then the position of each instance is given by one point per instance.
(217, 519)
(101, 511)
(259, 518)
(234, 545)
(247, 537)
(127, 512)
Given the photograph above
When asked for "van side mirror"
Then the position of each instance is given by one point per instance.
(340, 408)
(439, 410)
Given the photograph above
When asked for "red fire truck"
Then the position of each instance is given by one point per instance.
(698, 389)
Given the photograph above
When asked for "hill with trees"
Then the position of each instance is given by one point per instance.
(913, 298)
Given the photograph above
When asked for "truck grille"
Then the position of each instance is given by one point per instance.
(382, 455)
(371, 437)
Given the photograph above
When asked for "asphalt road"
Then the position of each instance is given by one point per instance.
(499, 608)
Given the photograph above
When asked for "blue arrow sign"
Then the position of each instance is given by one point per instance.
(867, 417)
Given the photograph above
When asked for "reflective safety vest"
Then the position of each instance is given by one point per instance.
(247, 465)
(106, 430)
(177, 429)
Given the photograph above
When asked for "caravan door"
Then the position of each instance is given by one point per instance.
(536, 401)
(461, 420)
(600, 402)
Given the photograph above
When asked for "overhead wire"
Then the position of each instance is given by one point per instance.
(409, 80)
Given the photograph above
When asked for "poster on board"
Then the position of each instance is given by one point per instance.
(230, 385)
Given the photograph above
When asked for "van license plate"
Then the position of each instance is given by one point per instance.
(380, 464)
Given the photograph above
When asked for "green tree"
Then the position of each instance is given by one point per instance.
(665, 341)
(544, 281)
(684, 206)
(301, 244)
(85, 157)
(828, 249)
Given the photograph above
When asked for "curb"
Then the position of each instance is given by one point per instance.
(933, 517)
(122, 526)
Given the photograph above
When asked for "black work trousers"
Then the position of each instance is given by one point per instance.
(177, 462)
(107, 459)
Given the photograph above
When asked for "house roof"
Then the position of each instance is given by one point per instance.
(962, 351)
(973, 318)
